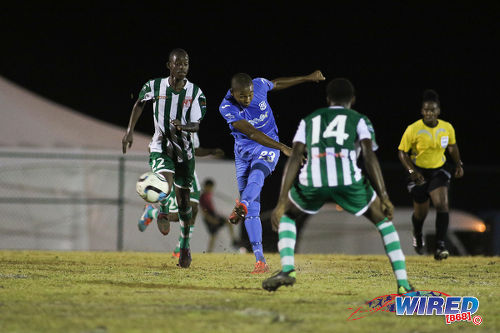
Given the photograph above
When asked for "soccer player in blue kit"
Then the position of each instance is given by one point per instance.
(256, 147)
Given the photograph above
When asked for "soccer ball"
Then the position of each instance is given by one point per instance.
(150, 185)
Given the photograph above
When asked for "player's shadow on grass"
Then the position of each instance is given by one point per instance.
(169, 286)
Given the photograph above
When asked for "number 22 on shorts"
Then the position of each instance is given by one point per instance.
(158, 164)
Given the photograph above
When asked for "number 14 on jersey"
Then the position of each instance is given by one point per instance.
(336, 128)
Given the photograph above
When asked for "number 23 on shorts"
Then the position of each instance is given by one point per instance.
(267, 156)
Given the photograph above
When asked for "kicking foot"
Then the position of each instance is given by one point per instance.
(238, 214)
(278, 280)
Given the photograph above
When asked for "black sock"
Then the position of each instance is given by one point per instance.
(442, 221)
(417, 225)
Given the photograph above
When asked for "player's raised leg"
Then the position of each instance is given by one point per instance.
(151, 213)
(240, 210)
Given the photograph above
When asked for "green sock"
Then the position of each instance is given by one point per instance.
(286, 245)
(393, 250)
(178, 246)
(184, 218)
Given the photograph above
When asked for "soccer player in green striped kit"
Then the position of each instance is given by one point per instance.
(178, 107)
(328, 137)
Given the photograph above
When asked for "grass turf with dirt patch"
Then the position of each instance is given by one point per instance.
(43, 291)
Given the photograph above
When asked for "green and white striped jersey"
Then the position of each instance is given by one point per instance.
(188, 105)
(331, 136)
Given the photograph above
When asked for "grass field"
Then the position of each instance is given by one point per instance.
(146, 292)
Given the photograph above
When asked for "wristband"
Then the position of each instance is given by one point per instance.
(411, 171)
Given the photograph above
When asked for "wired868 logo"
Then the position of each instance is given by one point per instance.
(459, 308)
(422, 302)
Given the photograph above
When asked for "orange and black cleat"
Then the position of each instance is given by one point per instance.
(238, 214)
(260, 268)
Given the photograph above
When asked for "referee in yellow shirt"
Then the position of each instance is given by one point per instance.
(421, 152)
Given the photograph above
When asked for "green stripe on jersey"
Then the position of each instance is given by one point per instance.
(156, 90)
(180, 104)
(188, 112)
(180, 134)
(166, 115)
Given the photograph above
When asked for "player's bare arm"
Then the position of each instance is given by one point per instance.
(128, 138)
(189, 127)
(375, 175)
(410, 168)
(254, 134)
(455, 156)
(292, 167)
(287, 82)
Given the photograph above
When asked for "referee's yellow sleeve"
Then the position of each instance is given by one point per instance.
(452, 139)
(405, 144)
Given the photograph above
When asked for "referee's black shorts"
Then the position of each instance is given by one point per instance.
(434, 178)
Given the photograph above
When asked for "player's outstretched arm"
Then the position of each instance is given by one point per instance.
(292, 167)
(455, 156)
(128, 138)
(374, 172)
(254, 134)
(287, 82)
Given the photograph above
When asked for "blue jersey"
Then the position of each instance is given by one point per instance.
(258, 113)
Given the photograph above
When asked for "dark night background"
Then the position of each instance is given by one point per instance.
(95, 58)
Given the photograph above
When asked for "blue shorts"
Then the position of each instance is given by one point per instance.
(254, 157)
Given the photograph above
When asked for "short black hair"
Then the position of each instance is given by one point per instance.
(241, 80)
(208, 182)
(430, 95)
(177, 52)
(340, 90)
